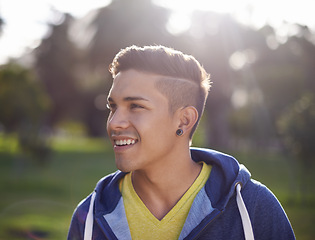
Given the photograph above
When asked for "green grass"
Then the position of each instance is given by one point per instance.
(38, 201)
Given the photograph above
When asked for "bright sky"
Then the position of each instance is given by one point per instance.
(26, 20)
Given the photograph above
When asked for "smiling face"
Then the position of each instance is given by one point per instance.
(140, 125)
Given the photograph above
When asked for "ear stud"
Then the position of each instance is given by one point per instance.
(179, 132)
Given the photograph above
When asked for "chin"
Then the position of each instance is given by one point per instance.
(122, 166)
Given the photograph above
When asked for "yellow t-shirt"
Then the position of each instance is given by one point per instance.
(144, 225)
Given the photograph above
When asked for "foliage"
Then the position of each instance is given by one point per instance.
(297, 127)
(56, 60)
(22, 100)
(123, 23)
(23, 104)
(272, 73)
(68, 81)
(1, 24)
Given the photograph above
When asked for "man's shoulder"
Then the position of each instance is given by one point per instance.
(105, 186)
(256, 189)
(109, 180)
(259, 197)
(265, 209)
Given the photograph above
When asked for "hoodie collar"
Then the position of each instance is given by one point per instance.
(108, 193)
(225, 174)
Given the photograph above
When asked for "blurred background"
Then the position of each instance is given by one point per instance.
(54, 79)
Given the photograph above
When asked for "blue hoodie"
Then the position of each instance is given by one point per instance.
(230, 206)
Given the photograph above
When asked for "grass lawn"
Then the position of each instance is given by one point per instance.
(37, 202)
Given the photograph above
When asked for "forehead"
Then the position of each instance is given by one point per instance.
(135, 83)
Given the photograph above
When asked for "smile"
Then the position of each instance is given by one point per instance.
(125, 142)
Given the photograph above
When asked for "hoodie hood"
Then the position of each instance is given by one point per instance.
(226, 173)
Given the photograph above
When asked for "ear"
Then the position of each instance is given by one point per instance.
(188, 118)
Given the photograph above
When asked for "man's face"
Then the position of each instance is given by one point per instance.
(140, 126)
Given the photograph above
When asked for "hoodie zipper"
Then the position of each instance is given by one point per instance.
(200, 232)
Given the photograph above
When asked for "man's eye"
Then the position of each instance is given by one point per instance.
(133, 106)
(111, 106)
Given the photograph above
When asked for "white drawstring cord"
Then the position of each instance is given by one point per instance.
(247, 225)
(89, 220)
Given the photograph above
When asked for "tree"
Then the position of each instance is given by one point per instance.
(296, 126)
(1, 24)
(23, 104)
(126, 22)
(22, 99)
(213, 38)
(56, 63)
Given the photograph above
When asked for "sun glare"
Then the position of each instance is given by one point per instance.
(223, 6)
(248, 12)
(182, 10)
(75, 8)
(14, 38)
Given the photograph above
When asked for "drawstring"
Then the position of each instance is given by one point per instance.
(89, 219)
(247, 226)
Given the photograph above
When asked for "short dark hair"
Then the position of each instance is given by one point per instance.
(184, 81)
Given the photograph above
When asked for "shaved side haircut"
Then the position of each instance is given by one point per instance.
(183, 80)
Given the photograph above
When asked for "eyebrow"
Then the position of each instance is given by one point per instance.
(128, 99)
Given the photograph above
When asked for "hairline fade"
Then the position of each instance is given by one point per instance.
(174, 89)
(182, 93)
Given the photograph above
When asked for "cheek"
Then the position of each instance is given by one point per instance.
(157, 128)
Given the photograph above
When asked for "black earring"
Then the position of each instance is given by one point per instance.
(179, 132)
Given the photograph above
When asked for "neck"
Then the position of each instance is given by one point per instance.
(161, 187)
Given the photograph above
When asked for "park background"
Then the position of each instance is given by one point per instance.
(53, 144)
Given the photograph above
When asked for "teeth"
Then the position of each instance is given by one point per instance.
(124, 142)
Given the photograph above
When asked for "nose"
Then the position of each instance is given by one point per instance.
(117, 120)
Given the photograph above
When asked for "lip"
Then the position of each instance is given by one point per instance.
(118, 149)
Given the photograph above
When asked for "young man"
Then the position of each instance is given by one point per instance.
(164, 189)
